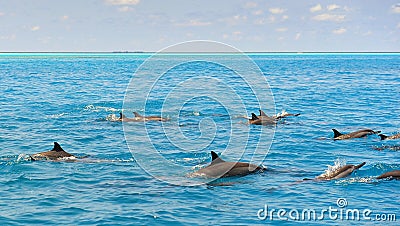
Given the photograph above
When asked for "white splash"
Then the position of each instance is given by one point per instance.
(71, 158)
(112, 118)
(332, 169)
(57, 115)
(284, 113)
(93, 108)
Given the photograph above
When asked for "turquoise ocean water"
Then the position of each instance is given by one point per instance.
(72, 99)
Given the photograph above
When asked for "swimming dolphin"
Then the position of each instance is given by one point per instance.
(149, 118)
(384, 137)
(123, 118)
(262, 119)
(341, 172)
(356, 134)
(284, 114)
(56, 153)
(395, 174)
(278, 116)
(220, 168)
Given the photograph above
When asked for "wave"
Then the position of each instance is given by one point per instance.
(94, 108)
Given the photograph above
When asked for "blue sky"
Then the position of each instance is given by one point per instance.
(150, 25)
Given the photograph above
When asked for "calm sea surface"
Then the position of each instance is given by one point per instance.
(73, 98)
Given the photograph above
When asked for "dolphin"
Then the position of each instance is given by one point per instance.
(262, 119)
(284, 114)
(384, 137)
(123, 118)
(341, 172)
(220, 168)
(149, 118)
(356, 134)
(56, 153)
(395, 174)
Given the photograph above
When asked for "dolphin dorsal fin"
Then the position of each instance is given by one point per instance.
(137, 114)
(262, 113)
(214, 155)
(254, 116)
(336, 133)
(57, 147)
(215, 158)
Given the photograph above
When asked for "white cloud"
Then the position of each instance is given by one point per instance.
(35, 28)
(329, 17)
(239, 17)
(282, 29)
(1, 14)
(298, 35)
(332, 7)
(276, 10)
(270, 19)
(65, 17)
(316, 8)
(339, 31)
(123, 2)
(398, 25)
(234, 20)
(396, 8)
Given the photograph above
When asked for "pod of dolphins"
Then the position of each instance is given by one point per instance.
(220, 168)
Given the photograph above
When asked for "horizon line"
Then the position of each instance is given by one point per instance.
(194, 52)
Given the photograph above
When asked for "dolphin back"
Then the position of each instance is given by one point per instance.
(395, 174)
(56, 153)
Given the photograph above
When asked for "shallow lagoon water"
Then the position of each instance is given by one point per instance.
(69, 97)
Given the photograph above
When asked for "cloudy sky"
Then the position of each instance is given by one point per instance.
(150, 25)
